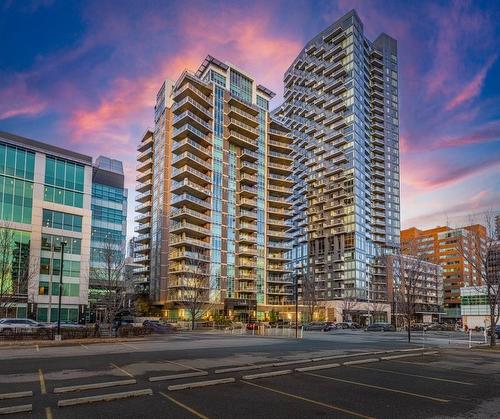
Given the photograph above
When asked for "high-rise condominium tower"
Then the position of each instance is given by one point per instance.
(221, 170)
(341, 103)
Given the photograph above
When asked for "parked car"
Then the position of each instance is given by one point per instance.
(281, 323)
(122, 321)
(157, 326)
(329, 326)
(348, 325)
(315, 326)
(381, 327)
(497, 331)
(8, 325)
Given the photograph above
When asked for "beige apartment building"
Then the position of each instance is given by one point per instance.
(215, 185)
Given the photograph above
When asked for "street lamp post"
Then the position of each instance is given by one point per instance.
(60, 291)
(296, 308)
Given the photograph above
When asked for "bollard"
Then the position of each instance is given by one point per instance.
(470, 338)
(301, 332)
(485, 336)
(253, 331)
(423, 338)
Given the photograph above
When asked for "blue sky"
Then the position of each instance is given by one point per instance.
(83, 75)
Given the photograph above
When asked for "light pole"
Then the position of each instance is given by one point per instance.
(60, 291)
(296, 308)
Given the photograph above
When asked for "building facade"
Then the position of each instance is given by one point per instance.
(45, 198)
(109, 229)
(454, 249)
(49, 195)
(226, 170)
(341, 104)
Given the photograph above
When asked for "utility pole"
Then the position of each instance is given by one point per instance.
(60, 292)
(296, 308)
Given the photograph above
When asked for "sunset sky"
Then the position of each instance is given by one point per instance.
(84, 74)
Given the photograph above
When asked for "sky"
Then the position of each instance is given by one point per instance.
(84, 75)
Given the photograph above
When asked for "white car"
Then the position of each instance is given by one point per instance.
(8, 325)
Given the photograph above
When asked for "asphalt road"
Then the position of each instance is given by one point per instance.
(449, 383)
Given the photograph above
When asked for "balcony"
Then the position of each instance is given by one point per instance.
(281, 135)
(187, 186)
(144, 166)
(143, 197)
(248, 179)
(243, 128)
(280, 168)
(189, 145)
(188, 89)
(188, 104)
(176, 241)
(247, 238)
(243, 116)
(280, 179)
(144, 176)
(142, 217)
(279, 245)
(192, 229)
(241, 140)
(143, 238)
(247, 227)
(281, 146)
(143, 187)
(188, 117)
(147, 143)
(243, 250)
(249, 155)
(192, 174)
(247, 191)
(280, 157)
(278, 201)
(186, 200)
(246, 215)
(185, 254)
(280, 190)
(142, 228)
(189, 215)
(249, 167)
(192, 132)
(144, 207)
(188, 158)
(147, 154)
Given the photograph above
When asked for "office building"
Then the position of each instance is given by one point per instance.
(413, 286)
(225, 168)
(109, 231)
(454, 249)
(341, 104)
(49, 195)
(45, 198)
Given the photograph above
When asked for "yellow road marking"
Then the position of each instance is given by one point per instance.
(130, 346)
(415, 375)
(48, 413)
(43, 390)
(121, 369)
(189, 409)
(391, 390)
(183, 365)
(305, 399)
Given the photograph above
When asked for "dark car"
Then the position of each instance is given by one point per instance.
(348, 325)
(381, 327)
(315, 326)
(158, 327)
(122, 321)
(497, 331)
(329, 326)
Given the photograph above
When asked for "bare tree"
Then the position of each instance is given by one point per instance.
(309, 294)
(408, 275)
(349, 304)
(193, 289)
(16, 270)
(109, 276)
(481, 250)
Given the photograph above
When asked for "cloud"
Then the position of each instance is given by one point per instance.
(439, 173)
(472, 89)
(16, 99)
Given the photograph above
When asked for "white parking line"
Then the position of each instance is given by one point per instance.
(105, 397)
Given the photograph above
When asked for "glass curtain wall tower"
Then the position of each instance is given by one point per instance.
(341, 103)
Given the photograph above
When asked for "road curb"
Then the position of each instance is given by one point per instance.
(267, 374)
(361, 361)
(178, 376)
(388, 358)
(317, 367)
(16, 395)
(16, 409)
(327, 358)
(243, 368)
(93, 386)
(299, 361)
(104, 397)
(201, 384)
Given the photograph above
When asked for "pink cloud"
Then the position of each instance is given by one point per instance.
(440, 174)
(18, 100)
(472, 89)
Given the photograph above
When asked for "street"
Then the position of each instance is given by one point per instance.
(322, 375)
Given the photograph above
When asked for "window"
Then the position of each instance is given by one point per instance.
(63, 182)
(62, 220)
(53, 243)
(241, 86)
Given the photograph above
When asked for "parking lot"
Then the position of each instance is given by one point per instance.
(245, 376)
